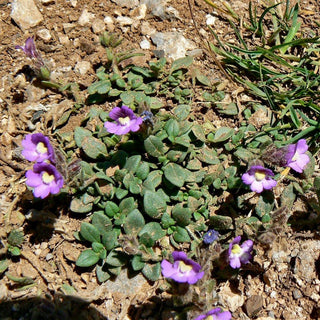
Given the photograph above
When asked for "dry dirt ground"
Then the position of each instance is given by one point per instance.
(287, 284)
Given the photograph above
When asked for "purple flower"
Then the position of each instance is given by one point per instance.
(259, 178)
(30, 49)
(215, 314)
(182, 269)
(125, 121)
(44, 179)
(239, 254)
(37, 147)
(210, 236)
(296, 156)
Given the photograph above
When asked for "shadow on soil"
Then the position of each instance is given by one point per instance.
(61, 308)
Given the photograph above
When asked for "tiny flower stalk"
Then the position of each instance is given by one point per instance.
(30, 50)
(43, 72)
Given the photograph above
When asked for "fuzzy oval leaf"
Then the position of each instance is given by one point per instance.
(208, 155)
(154, 146)
(223, 134)
(116, 258)
(182, 111)
(137, 263)
(127, 205)
(181, 215)
(143, 170)
(87, 258)
(78, 206)
(181, 235)
(153, 180)
(89, 232)
(175, 174)
(134, 222)
(154, 204)
(80, 134)
(152, 271)
(101, 222)
(172, 127)
(111, 209)
(133, 163)
(153, 230)
(180, 63)
(93, 147)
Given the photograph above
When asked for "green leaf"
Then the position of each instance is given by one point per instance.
(127, 205)
(175, 174)
(154, 146)
(152, 271)
(4, 264)
(154, 204)
(132, 163)
(153, 230)
(143, 170)
(102, 273)
(184, 62)
(87, 258)
(80, 134)
(109, 239)
(116, 258)
(172, 128)
(153, 180)
(244, 155)
(101, 87)
(134, 222)
(181, 215)
(208, 155)
(264, 205)
(182, 111)
(181, 235)
(230, 109)
(93, 147)
(223, 134)
(97, 247)
(137, 263)
(111, 209)
(101, 222)
(167, 221)
(89, 232)
(14, 251)
(197, 130)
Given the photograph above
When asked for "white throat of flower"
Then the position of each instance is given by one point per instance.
(124, 121)
(47, 177)
(184, 267)
(259, 175)
(41, 148)
(236, 250)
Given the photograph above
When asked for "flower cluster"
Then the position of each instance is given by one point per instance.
(185, 270)
(44, 178)
(294, 156)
